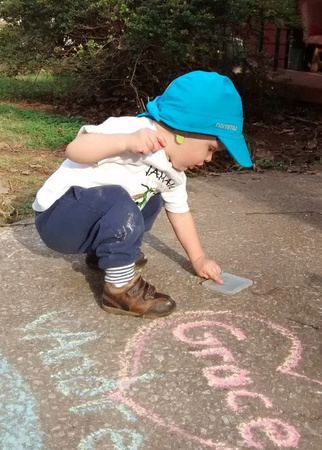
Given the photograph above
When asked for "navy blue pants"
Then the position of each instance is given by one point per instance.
(102, 220)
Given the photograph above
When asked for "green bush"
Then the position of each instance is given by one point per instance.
(125, 51)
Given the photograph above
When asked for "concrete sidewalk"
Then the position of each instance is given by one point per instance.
(223, 372)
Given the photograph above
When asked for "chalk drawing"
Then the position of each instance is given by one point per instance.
(119, 438)
(92, 386)
(200, 330)
(237, 377)
(231, 399)
(281, 434)
(104, 403)
(68, 345)
(86, 365)
(226, 355)
(51, 318)
(132, 360)
(79, 381)
(180, 332)
(19, 427)
(161, 422)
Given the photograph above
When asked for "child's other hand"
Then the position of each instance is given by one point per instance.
(207, 268)
(145, 141)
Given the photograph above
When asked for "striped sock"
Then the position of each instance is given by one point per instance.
(120, 276)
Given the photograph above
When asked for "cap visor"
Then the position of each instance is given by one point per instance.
(238, 150)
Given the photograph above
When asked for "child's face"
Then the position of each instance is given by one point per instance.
(194, 152)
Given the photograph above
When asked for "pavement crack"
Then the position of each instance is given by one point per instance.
(315, 327)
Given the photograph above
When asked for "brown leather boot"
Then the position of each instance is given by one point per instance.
(137, 298)
(92, 261)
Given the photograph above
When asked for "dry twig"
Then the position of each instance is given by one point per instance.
(284, 212)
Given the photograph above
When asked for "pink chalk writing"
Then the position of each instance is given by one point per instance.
(230, 376)
(236, 377)
(218, 377)
(231, 399)
(158, 420)
(202, 331)
(282, 434)
(180, 332)
(220, 351)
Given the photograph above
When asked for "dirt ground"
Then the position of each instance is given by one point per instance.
(294, 138)
(289, 141)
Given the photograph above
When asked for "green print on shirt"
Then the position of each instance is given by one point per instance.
(145, 198)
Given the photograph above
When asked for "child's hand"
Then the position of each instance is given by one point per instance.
(207, 268)
(145, 141)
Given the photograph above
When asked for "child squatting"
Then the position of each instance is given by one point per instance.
(119, 174)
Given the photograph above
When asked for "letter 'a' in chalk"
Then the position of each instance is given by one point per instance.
(232, 284)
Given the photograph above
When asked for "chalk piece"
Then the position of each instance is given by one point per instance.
(232, 284)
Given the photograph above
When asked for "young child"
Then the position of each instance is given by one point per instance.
(118, 175)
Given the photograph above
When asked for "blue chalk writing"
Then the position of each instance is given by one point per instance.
(101, 405)
(19, 428)
(84, 368)
(54, 317)
(80, 381)
(68, 345)
(124, 439)
(93, 385)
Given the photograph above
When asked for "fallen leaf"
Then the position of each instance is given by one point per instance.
(262, 153)
(258, 142)
(25, 172)
(4, 190)
(35, 166)
(287, 130)
(293, 169)
(312, 144)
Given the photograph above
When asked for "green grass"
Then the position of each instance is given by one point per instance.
(31, 148)
(36, 129)
(269, 164)
(31, 140)
(36, 87)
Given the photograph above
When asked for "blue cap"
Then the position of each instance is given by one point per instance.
(204, 103)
